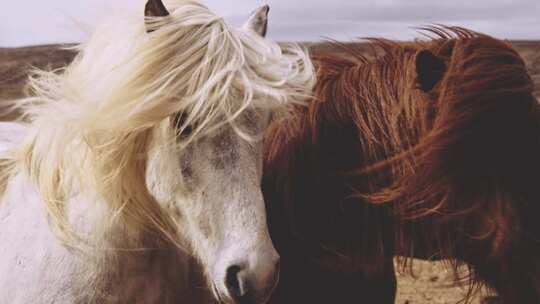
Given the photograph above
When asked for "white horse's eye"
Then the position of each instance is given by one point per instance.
(179, 122)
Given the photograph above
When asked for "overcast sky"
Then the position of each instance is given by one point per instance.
(28, 22)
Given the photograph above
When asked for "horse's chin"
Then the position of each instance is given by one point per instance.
(216, 293)
(224, 298)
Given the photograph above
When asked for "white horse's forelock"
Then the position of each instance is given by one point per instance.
(92, 124)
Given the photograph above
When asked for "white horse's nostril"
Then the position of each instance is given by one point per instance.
(235, 282)
(245, 284)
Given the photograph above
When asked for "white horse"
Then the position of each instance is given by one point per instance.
(141, 150)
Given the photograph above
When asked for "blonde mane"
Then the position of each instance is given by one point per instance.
(91, 125)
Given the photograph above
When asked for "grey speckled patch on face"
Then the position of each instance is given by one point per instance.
(253, 121)
(225, 151)
(205, 228)
(188, 175)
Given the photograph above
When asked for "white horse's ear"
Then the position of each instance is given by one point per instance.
(258, 21)
(154, 8)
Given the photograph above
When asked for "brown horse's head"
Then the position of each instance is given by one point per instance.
(452, 123)
(445, 130)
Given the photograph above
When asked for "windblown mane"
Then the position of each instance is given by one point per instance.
(457, 159)
(92, 123)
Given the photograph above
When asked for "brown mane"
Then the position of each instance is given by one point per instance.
(433, 169)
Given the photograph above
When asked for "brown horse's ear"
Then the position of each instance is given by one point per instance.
(154, 8)
(430, 70)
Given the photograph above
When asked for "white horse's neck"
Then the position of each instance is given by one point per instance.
(49, 272)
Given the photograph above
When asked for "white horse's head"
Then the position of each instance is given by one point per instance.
(161, 119)
(213, 183)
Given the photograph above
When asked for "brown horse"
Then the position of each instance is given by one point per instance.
(430, 151)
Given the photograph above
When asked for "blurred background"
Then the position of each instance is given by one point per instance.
(31, 22)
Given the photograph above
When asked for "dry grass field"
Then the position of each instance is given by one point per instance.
(16, 62)
(432, 284)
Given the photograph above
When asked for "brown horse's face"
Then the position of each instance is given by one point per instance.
(440, 119)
